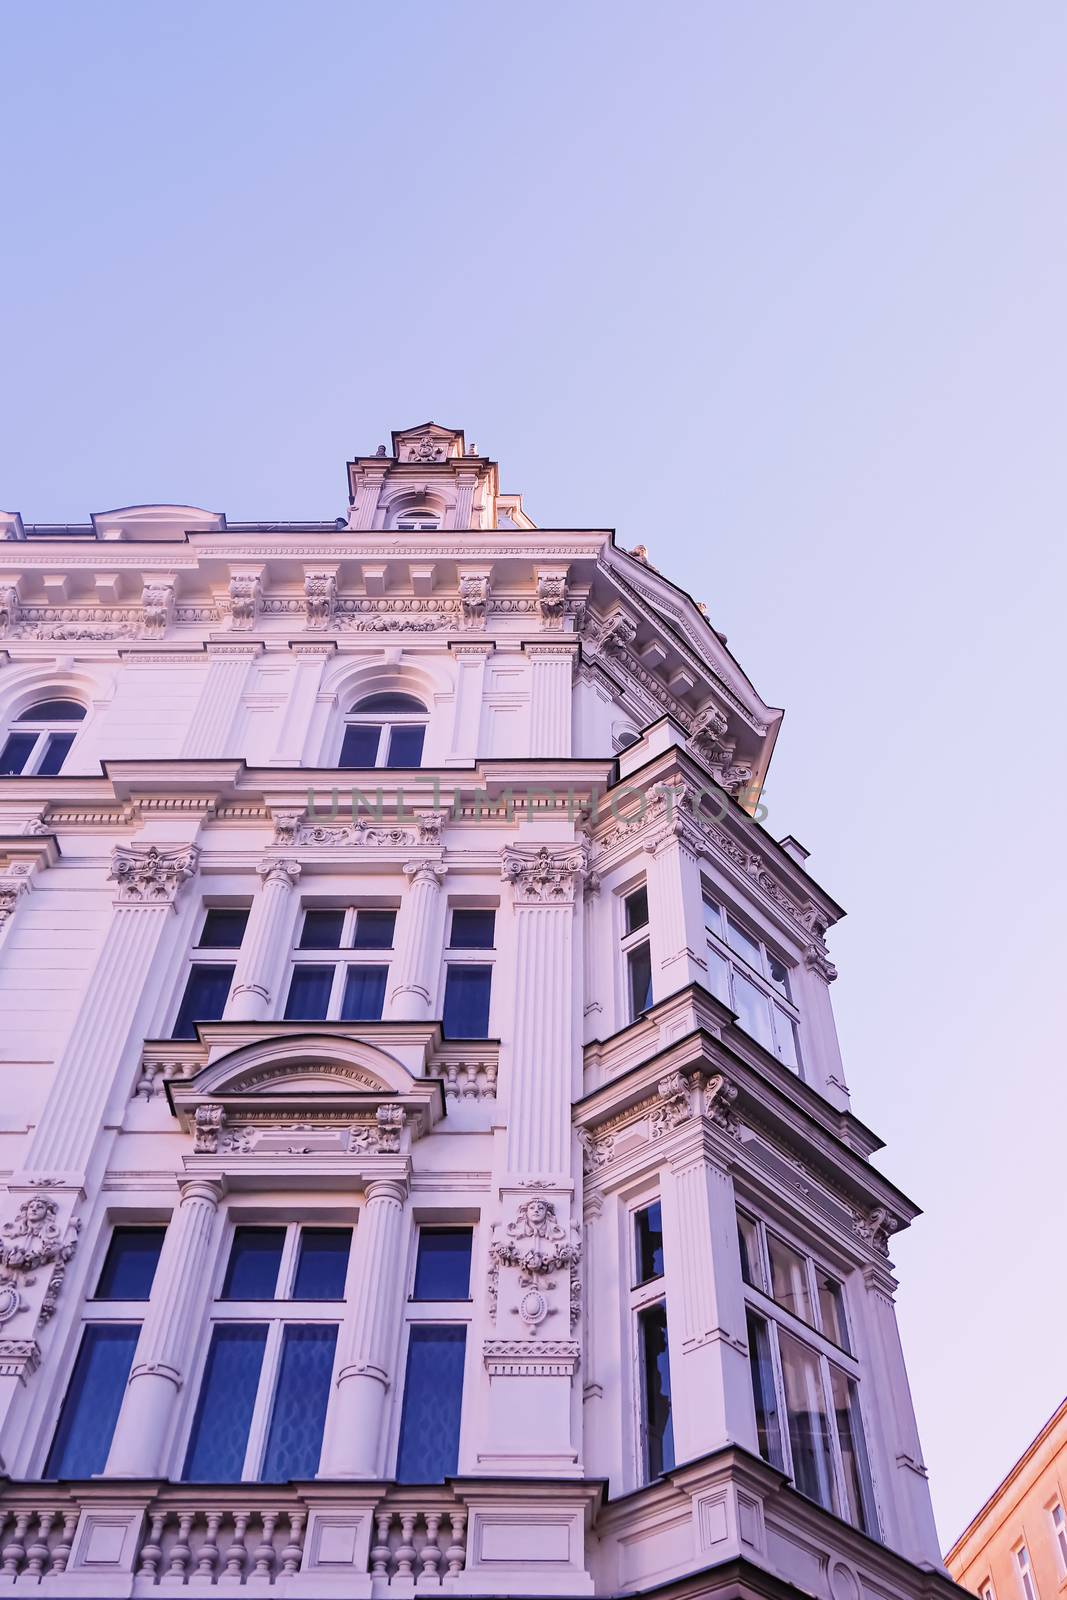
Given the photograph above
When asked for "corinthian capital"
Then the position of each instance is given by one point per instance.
(148, 875)
(542, 876)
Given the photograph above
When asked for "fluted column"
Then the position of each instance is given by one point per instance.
(418, 943)
(264, 945)
(216, 710)
(149, 880)
(166, 1341)
(353, 1446)
(545, 1050)
(677, 934)
(551, 673)
(711, 1386)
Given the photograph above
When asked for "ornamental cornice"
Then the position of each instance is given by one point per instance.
(521, 1358)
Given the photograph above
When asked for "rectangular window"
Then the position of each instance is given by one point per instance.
(364, 994)
(832, 1309)
(635, 907)
(309, 994)
(1026, 1575)
(466, 1007)
(227, 1400)
(648, 1242)
(359, 747)
(374, 930)
(753, 1010)
(298, 1416)
(443, 1264)
(789, 1278)
(748, 977)
(206, 993)
(639, 977)
(322, 1263)
(768, 1428)
(858, 1487)
(987, 1591)
(1059, 1529)
(657, 1424)
(807, 1421)
(322, 930)
(91, 1405)
(472, 930)
(433, 1403)
(252, 1270)
(749, 1246)
(405, 745)
(15, 754)
(56, 748)
(224, 928)
(130, 1264)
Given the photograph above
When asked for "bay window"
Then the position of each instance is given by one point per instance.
(805, 1378)
(350, 986)
(745, 975)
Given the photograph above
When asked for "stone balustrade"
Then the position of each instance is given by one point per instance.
(418, 1536)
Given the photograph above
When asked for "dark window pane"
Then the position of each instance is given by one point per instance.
(443, 1264)
(385, 705)
(322, 1263)
(224, 1409)
(433, 1404)
(309, 994)
(91, 1407)
(55, 753)
(473, 930)
(768, 1428)
(16, 753)
(374, 930)
(656, 1384)
(204, 1000)
(130, 1263)
(405, 745)
(224, 928)
(294, 1441)
(322, 930)
(860, 1490)
(639, 969)
(467, 992)
(648, 1230)
(54, 711)
(364, 994)
(359, 748)
(636, 910)
(252, 1270)
(832, 1309)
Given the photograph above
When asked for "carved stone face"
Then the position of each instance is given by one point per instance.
(37, 1211)
(536, 1213)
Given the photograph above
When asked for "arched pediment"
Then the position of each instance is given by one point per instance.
(305, 1066)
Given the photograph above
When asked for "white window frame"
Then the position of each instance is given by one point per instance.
(420, 520)
(437, 1313)
(44, 729)
(1058, 1518)
(628, 943)
(385, 721)
(821, 1346)
(217, 955)
(1025, 1571)
(278, 1314)
(782, 1007)
(464, 956)
(642, 1296)
(340, 957)
(986, 1590)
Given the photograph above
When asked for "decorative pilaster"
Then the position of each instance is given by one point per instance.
(417, 943)
(353, 1446)
(149, 879)
(551, 672)
(308, 662)
(20, 861)
(212, 730)
(470, 659)
(546, 1050)
(264, 944)
(166, 1341)
(711, 1386)
(676, 912)
(466, 482)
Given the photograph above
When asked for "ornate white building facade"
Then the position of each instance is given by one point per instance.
(427, 1153)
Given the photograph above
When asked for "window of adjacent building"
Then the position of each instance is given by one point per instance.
(1026, 1573)
(652, 1365)
(1059, 1532)
(468, 983)
(753, 982)
(40, 739)
(102, 1365)
(384, 730)
(437, 1320)
(265, 1386)
(207, 987)
(986, 1590)
(351, 985)
(805, 1378)
(636, 953)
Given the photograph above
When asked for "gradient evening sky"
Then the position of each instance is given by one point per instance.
(776, 289)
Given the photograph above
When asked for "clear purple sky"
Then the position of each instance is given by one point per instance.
(776, 289)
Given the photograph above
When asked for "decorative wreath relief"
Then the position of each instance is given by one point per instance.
(538, 1246)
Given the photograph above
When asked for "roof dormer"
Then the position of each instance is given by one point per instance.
(433, 479)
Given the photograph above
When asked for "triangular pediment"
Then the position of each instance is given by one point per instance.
(427, 444)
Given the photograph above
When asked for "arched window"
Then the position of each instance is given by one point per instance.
(625, 739)
(386, 730)
(420, 518)
(39, 739)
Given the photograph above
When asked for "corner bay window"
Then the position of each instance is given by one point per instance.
(804, 1377)
(384, 730)
(468, 984)
(747, 977)
(351, 987)
(40, 739)
(428, 1448)
(652, 1353)
(207, 987)
(261, 1408)
(637, 953)
(105, 1355)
